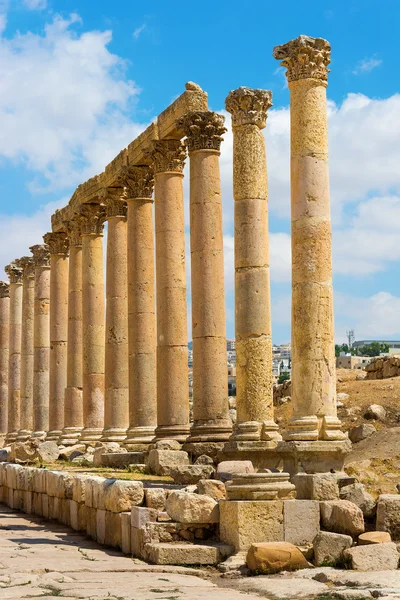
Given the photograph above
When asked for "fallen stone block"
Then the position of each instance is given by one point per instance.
(47, 452)
(105, 448)
(361, 432)
(155, 498)
(186, 554)
(373, 557)
(167, 445)
(300, 521)
(192, 508)
(190, 474)
(228, 468)
(329, 548)
(357, 494)
(318, 486)
(120, 460)
(121, 495)
(342, 516)
(72, 451)
(374, 537)
(160, 462)
(271, 557)
(213, 488)
(388, 515)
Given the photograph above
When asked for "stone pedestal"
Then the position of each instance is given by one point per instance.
(210, 378)
(313, 356)
(116, 414)
(172, 337)
(260, 486)
(321, 456)
(15, 274)
(59, 247)
(138, 183)
(41, 341)
(73, 403)
(4, 353)
(93, 327)
(254, 385)
(27, 350)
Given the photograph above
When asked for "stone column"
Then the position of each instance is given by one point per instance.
(28, 309)
(116, 399)
(138, 183)
(254, 385)
(210, 373)
(59, 246)
(4, 354)
(14, 365)
(313, 357)
(41, 341)
(92, 221)
(73, 403)
(172, 337)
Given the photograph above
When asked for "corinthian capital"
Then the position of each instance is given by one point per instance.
(248, 106)
(27, 264)
(137, 181)
(41, 255)
(4, 289)
(14, 273)
(168, 155)
(74, 231)
(204, 130)
(92, 217)
(305, 58)
(114, 202)
(57, 242)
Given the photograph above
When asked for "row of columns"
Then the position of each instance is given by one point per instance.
(82, 368)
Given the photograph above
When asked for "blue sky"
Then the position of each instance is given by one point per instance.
(81, 79)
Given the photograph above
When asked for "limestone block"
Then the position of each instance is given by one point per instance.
(37, 504)
(342, 516)
(77, 515)
(388, 515)
(40, 481)
(140, 516)
(160, 462)
(105, 448)
(72, 451)
(64, 485)
(11, 475)
(155, 498)
(186, 554)
(228, 468)
(138, 542)
(300, 521)
(357, 494)
(91, 522)
(212, 487)
(10, 497)
(272, 557)
(78, 488)
(374, 537)
(329, 547)
(167, 445)
(45, 505)
(126, 532)
(18, 500)
(318, 486)
(101, 526)
(28, 502)
(374, 557)
(47, 452)
(190, 474)
(361, 432)
(119, 460)
(113, 529)
(92, 490)
(192, 508)
(244, 522)
(51, 483)
(63, 512)
(121, 495)
(53, 507)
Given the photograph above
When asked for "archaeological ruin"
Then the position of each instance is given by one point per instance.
(94, 364)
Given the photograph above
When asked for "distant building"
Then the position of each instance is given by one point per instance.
(352, 362)
(394, 345)
(230, 345)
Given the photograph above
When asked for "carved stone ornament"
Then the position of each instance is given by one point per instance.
(248, 106)
(57, 242)
(14, 272)
(137, 181)
(41, 255)
(4, 289)
(305, 58)
(168, 156)
(27, 264)
(113, 199)
(74, 231)
(204, 130)
(92, 217)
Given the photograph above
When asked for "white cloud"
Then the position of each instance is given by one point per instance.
(366, 65)
(371, 317)
(138, 31)
(35, 4)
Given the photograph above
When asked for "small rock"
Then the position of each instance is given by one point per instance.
(357, 494)
(375, 411)
(192, 508)
(342, 516)
(339, 379)
(213, 488)
(361, 376)
(167, 445)
(342, 396)
(361, 432)
(374, 557)
(190, 474)
(329, 547)
(272, 557)
(228, 468)
(204, 459)
(374, 537)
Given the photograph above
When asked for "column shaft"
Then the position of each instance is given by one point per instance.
(172, 337)
(41, 342)
(210, 374)
(14, 365)
(73, 403)
(116, 416)
(58, 244)
(4, 354)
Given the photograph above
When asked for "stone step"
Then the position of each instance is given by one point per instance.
(187, 554)
(119, 460)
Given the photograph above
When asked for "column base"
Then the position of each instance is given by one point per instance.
(39, 435)
(312, 428)
(54, 436)
(139, 435)
(70, 436)
(113, 434)
(179, 433)
(210, 431)
(320, 456)
(24, 435)
(11, 437)
(90, 435)
(263, 454)
(255, 431)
